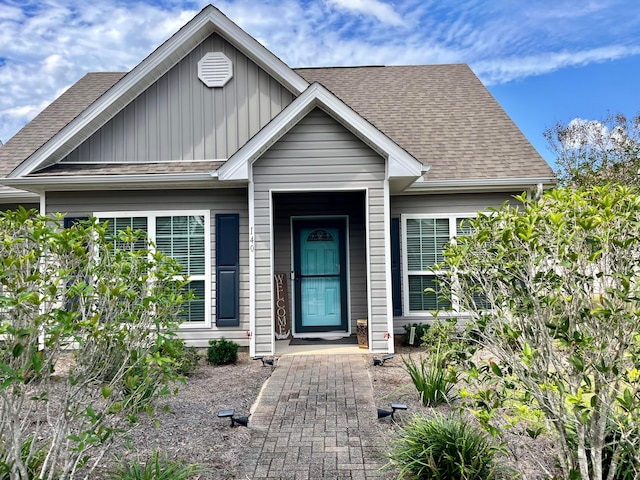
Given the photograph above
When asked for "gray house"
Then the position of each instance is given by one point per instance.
(298, 200)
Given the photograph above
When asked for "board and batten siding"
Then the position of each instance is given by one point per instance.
(445, 204)
(319, 154)
(79, 204)
(179, 118)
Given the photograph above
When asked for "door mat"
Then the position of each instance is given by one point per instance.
(352, 340)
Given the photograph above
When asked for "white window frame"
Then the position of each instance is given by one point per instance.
(151, 216)
(452, 218)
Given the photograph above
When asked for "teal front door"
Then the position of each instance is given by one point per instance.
(320, 272)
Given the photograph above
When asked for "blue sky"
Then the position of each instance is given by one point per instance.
(545, 61)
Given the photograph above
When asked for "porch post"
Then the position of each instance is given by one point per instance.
(252, 271)
(387, 262)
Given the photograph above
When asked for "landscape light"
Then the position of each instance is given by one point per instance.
(394, 406)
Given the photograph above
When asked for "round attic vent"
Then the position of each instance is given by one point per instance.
(215, 69)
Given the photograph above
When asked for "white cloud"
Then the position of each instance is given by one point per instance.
(502, 70)
(581, 134)
(382, 11)
(47, 46)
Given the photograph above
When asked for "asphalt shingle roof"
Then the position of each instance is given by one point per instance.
(151, 168)
(441, 114)
(54, 118)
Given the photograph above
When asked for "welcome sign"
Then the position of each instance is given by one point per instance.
(283, 317)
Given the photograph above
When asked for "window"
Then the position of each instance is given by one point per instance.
(185, 237)
(425, 238)
(117, 224)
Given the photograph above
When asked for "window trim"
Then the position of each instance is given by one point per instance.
(151, 216)
(451, 217)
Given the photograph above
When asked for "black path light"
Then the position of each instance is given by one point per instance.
(394, 406)
(265, 361)
(244, 421)
(377, 362)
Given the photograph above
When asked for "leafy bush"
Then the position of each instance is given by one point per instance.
(33, 456)
(624, 449)
(141, 385)
(562, 274)
(222, 352)
(104, 301)
(433, 381)
(444, 448)
(156, 468)
(445, 340)
(421, 330)
(186, 359)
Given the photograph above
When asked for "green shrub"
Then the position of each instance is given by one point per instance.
(141, 384)
(189, 361)
(444, 448)
(627, 449)
(446, 340)
(222, 352)
(421, 330)
(156, 468)
(186, 359)
(33, 456)
(433, 380)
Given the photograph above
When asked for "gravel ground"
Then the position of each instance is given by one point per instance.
(392, 384)
(190, 430)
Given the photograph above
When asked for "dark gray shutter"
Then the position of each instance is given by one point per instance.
(228, 270)
(69, 221)
(395, 267)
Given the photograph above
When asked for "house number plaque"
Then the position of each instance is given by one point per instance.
(283, 319)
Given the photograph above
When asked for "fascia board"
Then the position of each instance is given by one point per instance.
(208, 21)
(15, 195)
(479, 185)
(401, 162)
(72, 182)
(253, 49)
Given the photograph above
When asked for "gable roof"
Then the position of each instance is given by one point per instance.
(54, 118)
(441, 114)
(210, 20)
(400, 163)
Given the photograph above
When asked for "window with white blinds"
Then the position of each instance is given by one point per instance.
(118, 224)
(183, 236)
(424, 240)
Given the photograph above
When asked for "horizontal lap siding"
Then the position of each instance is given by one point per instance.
(78, 204)
(378, 268)
(467, 203)
(318, 154)
(180, 118)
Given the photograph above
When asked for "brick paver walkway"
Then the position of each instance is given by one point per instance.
(315, 421)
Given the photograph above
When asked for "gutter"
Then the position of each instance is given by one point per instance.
(479, 185)
(18, 196)
(170, 180)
